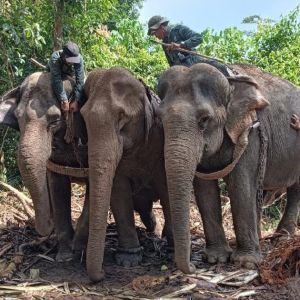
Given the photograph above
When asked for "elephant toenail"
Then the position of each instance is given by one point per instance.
(222, 259)
(126, 264)
(135, 264)
(118, 261)
(211, 260)
(250, 266)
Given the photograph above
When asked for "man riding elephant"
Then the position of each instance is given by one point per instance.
(48, 163)
(67, 62)
(179, 37)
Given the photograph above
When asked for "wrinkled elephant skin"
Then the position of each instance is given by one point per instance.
(34, 110)
(125, 148)
(204, 115)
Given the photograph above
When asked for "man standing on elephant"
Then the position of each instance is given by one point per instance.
(179, 37)
(67, 62)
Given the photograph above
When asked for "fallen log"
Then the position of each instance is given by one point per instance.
(26, 202)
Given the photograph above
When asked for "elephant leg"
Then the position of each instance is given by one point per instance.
(129, 252)
(144, 208)
(160, 182)
(242, 193)
(291, 212)
(60, 192)
(81, 235)
(208, 199)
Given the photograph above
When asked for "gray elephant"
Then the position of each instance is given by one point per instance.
(34, 110)
(207, 120)
(125, 144)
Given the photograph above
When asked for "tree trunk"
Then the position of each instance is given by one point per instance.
(58, 24)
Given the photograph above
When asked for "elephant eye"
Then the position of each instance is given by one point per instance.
(203, 122)
(122, 120)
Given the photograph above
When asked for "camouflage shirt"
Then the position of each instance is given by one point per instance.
(58, 67)
(191, 38)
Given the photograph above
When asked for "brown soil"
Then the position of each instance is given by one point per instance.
(155, 278)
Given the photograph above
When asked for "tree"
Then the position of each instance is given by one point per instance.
(59, 6)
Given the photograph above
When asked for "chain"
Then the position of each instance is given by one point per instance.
(235, 72)
(262, 166)
(75, 150)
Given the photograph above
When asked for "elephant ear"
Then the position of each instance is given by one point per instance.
(151, 101)
(8, 106)
(149, 113)
(245, 98)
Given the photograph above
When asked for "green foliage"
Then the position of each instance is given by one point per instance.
(26, 30)
(273, 214)
(8, 163)
(229, 45)
(128, 47)
(275, 47)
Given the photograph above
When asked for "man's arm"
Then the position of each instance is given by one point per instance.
(79, 73)
(57, 84)
(190, 37)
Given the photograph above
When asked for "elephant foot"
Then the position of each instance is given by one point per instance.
(248, 261)
(64, 255)
(79, 243)
(214, 255)
(286, 227)
(128, 257)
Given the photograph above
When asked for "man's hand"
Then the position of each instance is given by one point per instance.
(295, 124)
(74, 106)
(64, 106)
(173, 46)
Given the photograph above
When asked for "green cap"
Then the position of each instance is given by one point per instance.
(155, 22)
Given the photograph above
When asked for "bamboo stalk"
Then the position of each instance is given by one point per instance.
(188, 51)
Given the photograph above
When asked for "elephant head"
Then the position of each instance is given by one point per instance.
(118, 115)
(33, 109)
(200, 110)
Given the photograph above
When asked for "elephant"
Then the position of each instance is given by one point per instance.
(210, 123)
(34, 110)
(125, 144)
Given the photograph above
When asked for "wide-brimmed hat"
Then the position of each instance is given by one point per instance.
(71, 52)
(155, 22)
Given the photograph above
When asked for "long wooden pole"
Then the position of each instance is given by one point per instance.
(188, 51)
(37, 63)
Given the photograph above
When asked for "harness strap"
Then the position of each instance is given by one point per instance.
(64, 170)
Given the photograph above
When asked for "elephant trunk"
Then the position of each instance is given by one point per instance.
(181, 147)
(32, 165)
(104, 157)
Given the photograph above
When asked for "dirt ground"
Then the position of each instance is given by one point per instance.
(28, 269)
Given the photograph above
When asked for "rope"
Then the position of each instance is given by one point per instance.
(68, 171)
